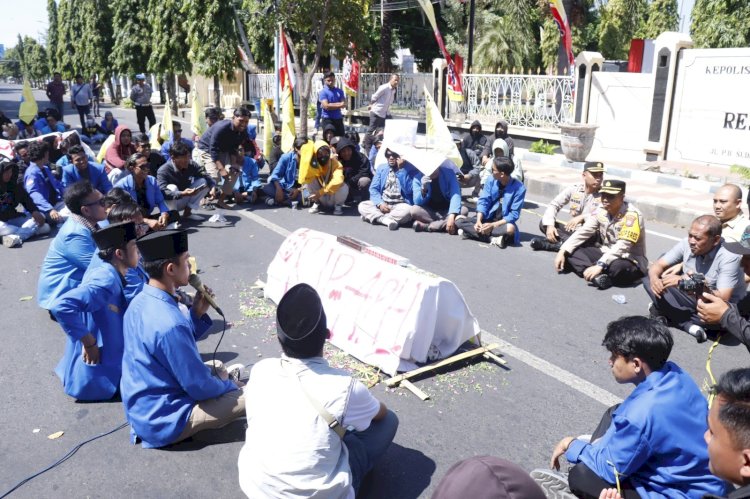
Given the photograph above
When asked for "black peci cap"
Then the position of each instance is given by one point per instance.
(163, 244)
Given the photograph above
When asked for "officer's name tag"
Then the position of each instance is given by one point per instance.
(631, 228)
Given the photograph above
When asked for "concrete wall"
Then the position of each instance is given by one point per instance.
(620, 104)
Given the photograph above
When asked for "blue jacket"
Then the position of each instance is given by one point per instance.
(286, 171)
(656, 440)
(135, 278)
(39, 183)
(97, 177)
(47, 129)
(405, 176)
(513, 197)
(67, 259)
(168, 144)
(249, 179)
(97, 306)
(64, 160)
(163, 375)
(154, 197)
(448, 186)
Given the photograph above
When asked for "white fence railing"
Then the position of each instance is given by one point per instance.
(527, 101)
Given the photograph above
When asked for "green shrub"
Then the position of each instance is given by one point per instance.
(127, 103)
(542, 147)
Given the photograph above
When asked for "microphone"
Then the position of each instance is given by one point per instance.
(195, 282)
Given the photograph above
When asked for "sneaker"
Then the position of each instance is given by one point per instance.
(694, 330)
(653, 313)
(389, 222)
(537, 244)
(338, 210)
(270, 201)
(364, 218)
(12, 241)
(499, 241)
(462, 234)
(237, 372)
(315, 208)
(602, 281)
(420, 227)
(43, 230)
(553, 483)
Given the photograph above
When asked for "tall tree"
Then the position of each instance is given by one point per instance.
(213, 39)
(22, 56)
(70, 27)
(386, 43)
(10, 65)
(52, 35)
(35, 60)
(132, 36)
(721, 23)
(663, 15)
(621, 21)
(313, 27)
(169, 46)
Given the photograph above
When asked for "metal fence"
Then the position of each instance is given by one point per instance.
(526, 101)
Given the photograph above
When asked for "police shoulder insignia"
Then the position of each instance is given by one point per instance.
(631, 228)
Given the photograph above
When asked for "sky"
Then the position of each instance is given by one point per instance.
(28, 17)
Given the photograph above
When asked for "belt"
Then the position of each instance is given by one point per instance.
(142, 105)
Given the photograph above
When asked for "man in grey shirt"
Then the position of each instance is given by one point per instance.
(700, 253)
(80, 99)
(140, 94)
(380, 105)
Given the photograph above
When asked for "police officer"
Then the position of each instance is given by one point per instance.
(140, 94)
(618, 255)
(584, 201)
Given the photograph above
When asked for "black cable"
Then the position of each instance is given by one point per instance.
(213, 361)
(61, 460)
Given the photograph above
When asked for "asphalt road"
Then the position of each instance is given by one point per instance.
(556, 382)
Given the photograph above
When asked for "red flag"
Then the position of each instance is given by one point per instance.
(558, 13)
(351, 72)
(455, 88)
(286, 71)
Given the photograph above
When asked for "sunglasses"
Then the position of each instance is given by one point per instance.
(392, 155)
(99, 201)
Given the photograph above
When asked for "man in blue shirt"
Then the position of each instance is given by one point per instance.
(283, 185)
(332, 102)
(651, 444)
(391, 193)
(176, 137)
(168, 392)
(53, 123)
(80, 168)
(43, 187)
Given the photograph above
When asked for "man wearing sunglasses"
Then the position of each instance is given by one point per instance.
(617, 256)
(391, 195)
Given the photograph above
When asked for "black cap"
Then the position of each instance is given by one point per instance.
(487, 477)
(612, 187)
(741, 247)
(593, 167)
(163, 244)
(114, 235)
(300, 314)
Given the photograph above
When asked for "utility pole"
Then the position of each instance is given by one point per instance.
(472, 8)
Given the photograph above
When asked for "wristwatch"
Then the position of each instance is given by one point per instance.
(603, 265)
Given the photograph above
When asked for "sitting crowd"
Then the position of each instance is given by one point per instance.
(111, 280)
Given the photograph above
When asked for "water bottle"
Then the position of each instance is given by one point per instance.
(620, 299)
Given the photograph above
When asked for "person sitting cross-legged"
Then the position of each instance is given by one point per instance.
(437, 201)
(183, 182)
(81, 168)
(323, 176)
(43, 187)
(674, 297)
(16, 227)
(312, 430)
(247, 188)
(650, 445)
(498, 208)
(283, 186)
(144, 190)
(391, 193)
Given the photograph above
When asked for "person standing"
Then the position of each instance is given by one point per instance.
(140, 94)
(380, 103)
(96, 90)
(80, 99)
(56, 93)
(332, 103)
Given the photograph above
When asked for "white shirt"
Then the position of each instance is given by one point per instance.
(289, 449)
(382, 99)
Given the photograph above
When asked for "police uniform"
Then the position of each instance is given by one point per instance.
(581, 203)
(615, 243)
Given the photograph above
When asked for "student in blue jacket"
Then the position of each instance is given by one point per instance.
(391, 193)
(81, 168)
(498, 208)
(144, 189)
(283, 184)
(248, 185)
(91, 316)
(43, 187)
(437, 201)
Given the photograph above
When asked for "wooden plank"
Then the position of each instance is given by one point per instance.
(413, 388)
(492, 356)
(394, 381)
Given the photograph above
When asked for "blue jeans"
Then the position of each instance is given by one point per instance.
(367, 447)
(22, 226)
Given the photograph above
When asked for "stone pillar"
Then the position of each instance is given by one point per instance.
(585, 65)
(439, 84)
(666, 56)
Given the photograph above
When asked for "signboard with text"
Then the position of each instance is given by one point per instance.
(711, 113)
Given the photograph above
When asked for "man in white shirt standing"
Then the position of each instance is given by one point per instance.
(80, 99)
(312, 430)
(380, 105)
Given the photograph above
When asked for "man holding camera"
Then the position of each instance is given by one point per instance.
(705, 265)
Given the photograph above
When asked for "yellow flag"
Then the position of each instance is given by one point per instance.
(28, 109)
(438, 135)
(288, 132)
(166, 123)
(268, 128)
(105, 146)
(198, 123)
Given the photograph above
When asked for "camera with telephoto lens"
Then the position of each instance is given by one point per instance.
(695, 284)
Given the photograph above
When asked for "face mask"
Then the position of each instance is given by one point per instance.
(476, 133)
(322, 160)
(501, 133)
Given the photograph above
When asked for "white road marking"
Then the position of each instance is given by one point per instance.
(566, 377)
(648, 231)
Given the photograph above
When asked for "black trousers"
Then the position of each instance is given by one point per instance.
(337, 123)
(583, 482)
(83, 111)
(623, 272)
(679, 307)
(467, 224)
(143, 112)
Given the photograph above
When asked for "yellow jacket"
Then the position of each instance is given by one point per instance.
(330, 175)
